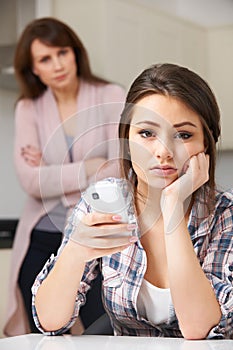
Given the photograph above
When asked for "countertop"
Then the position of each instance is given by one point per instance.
(97, 342)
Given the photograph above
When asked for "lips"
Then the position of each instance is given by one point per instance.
(61, 77)
(163, 170)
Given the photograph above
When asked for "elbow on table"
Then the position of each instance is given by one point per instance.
(49, 325)
(199, 329)
(194, 336)
(194, 333)
(48, 321)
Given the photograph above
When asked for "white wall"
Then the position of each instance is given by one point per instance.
(207, 13)
(123, 37)
(224, 170)
(220, 76)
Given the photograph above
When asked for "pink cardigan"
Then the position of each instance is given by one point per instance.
(37, 123)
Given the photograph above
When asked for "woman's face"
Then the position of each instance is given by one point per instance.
(55, 66)
(164, 133)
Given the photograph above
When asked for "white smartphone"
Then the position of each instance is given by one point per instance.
(109, 197)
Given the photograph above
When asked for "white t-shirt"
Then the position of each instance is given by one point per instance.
(153, 302)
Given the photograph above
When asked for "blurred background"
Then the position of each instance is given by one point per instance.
(122, 37)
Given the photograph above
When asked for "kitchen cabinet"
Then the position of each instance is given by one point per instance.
(5, 257)
(14, 16)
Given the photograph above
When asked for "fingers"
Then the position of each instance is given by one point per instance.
(109, 243)
(199, 169)
(31, 155)
(106, 231)
(101, 218)
(33, 151)
(103, 230)
(32, 161)
(194, 174)
(102, 241)
(200, 163)
(204, 162)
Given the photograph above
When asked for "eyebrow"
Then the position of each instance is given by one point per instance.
(178, 125)
(148, 122)
(39, 56)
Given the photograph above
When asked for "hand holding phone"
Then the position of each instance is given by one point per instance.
(109, 197)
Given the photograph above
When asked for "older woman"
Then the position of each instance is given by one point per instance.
(65, 121)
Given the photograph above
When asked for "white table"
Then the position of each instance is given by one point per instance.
(98, 342)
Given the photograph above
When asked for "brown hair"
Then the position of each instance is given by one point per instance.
(51, 32)
(185, 85)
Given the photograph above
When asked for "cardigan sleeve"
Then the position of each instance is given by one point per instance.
(52, 180)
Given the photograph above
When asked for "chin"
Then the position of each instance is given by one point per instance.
(160, 183)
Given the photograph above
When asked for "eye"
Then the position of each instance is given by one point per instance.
(44, 59)
(183, 135)
(147, 133)
(63, 52)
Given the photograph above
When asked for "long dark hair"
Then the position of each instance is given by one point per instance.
(51, 32)
(188, 87)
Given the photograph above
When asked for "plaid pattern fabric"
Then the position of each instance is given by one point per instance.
(212, 238)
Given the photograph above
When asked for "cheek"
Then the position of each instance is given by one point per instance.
(184, 153)
(41, 73)
(139, 158)
(138, 152)
(181, 155)
(195, 148)
(72, 62)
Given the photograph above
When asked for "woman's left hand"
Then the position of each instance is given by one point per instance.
(32, 156)
(196, 174)
(174, 196)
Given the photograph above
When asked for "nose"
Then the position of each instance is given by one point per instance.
(163, 149)
(57, 63)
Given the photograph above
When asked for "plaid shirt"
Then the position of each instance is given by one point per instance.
(123, 272)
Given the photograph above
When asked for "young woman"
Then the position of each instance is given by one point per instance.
(65, 121)
(172, 274)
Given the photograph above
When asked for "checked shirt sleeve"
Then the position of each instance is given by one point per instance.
(218, 267)
(90, 272)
